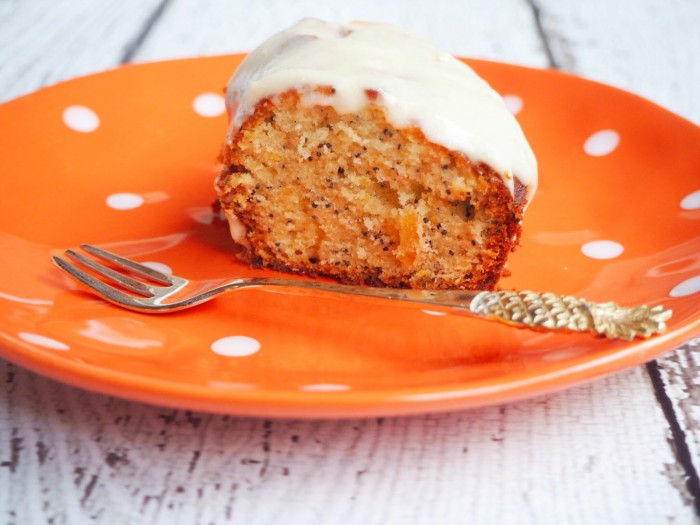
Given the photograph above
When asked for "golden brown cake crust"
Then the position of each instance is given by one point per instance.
(353, 198)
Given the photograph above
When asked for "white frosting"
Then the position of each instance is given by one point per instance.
(417, 84)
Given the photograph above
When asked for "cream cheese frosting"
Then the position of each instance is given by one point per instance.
(418, 85)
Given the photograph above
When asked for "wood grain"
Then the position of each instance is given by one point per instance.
(552, 459)
(45, 41)
(651, 49)
(473, 28)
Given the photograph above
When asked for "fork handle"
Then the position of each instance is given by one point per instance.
(548, 311)
(524, 309)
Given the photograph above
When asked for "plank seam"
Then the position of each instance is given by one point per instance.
(132, 47)
(678, 435)
(542, 33)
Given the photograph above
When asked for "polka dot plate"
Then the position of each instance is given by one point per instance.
(126, 159)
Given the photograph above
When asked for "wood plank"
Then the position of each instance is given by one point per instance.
(69, 456)
(46, 41)
(679, 375)
(481, 31)
(615, 42)
(650, 49)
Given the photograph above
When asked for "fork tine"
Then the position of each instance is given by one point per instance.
(119, 278)
(101, 288)
(135, 267)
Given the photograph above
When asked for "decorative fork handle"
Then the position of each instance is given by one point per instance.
(549, 311)
(526, 309)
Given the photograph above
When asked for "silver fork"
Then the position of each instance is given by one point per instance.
(143, 289)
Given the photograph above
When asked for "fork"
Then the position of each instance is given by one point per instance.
(138, 287)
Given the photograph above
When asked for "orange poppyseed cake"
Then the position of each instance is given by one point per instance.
(363, 153)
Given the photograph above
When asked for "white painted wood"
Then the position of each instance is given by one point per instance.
(650, 48)
(599, 453)
(680, 372)
(473, 28)
(45, 41)
(593, 454)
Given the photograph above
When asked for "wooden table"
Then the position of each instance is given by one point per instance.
(624, 449)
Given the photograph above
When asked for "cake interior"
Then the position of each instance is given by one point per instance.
(351, 197)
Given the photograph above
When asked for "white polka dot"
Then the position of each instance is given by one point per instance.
(325, 387)
(209, 105)
(687, 287)
(41, 340)
(691, 201)
(601, 143)
(124, 201)
(81, 118)
(602, 249)
(235, 346)
(513, 103)
(433, 312)
(159, 267)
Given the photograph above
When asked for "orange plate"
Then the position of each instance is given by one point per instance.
(126, 159)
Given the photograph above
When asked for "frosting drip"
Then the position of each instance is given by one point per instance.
(418, 85)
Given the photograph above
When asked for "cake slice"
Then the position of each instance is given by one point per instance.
(364, 153)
